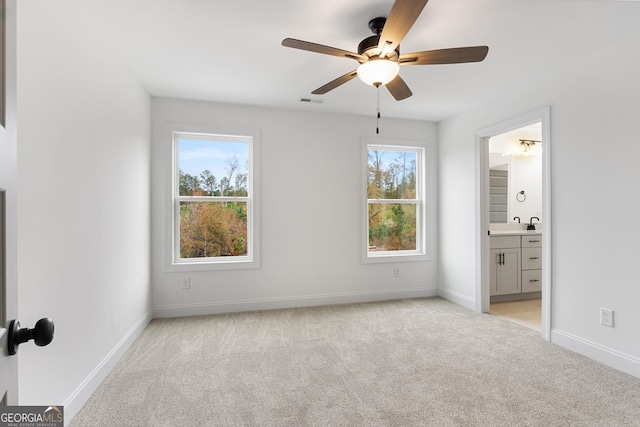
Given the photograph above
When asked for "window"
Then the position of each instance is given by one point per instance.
(214, 209)
(395, 225)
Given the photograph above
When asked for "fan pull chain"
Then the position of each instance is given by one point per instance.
(378, 106)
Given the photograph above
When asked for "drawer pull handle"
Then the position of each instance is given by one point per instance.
(534, 257)
(534, 280)
(534, 241)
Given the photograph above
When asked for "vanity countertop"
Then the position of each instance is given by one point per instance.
(515, 232)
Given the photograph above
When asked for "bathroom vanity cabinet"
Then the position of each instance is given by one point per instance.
(516, 264)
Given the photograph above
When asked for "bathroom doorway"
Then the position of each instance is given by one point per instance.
(515, 212)
(513, 220)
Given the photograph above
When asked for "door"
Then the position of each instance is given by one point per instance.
(8, 211)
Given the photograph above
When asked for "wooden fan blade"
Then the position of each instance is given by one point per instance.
(400, 20)
(456, 55)
(335, 83)
(399, 89)
(319, 48)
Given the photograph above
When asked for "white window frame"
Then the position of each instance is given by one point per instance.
(252, 259)
(421, 252)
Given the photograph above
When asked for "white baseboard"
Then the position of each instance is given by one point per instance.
(82, 393)
(457, 298)
(180, 310)
(622, 362)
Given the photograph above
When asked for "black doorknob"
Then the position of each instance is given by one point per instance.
(41, 334)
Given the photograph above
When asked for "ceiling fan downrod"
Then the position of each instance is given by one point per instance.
(377, 85)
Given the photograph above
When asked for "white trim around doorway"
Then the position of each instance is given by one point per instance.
(482, 136)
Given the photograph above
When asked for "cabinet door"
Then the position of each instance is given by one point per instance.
(493, 275)
(504, 277)
(509, 274)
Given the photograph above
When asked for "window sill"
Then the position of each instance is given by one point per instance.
(394, 258)
(183, 267)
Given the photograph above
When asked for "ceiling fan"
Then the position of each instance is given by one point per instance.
(379, 55)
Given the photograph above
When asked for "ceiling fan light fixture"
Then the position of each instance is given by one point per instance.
(378, 71)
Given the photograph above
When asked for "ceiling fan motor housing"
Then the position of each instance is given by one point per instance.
(369, 46)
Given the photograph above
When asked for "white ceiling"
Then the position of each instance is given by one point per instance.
(229, 51)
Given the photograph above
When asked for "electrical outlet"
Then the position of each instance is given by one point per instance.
(606, 317)
(396, 272)
(186, 283)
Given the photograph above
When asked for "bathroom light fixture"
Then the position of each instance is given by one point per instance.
(526, 144)
(376, 72)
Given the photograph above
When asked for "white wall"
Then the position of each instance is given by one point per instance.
(526, 176)
(594, 152)
(83, 206)
(525, 171)
(311, 213)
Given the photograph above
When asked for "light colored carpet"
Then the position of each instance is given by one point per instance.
(418, 362)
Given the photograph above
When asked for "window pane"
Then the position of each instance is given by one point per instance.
(391, 174)
(213, 229)
(212, 167)
(392, 227)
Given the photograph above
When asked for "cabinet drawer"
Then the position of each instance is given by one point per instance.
(534, 241)
(531, 280)
(531, 258)
(504, 242)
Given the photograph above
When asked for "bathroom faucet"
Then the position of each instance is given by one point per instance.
(514, 218)
(530, 226)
